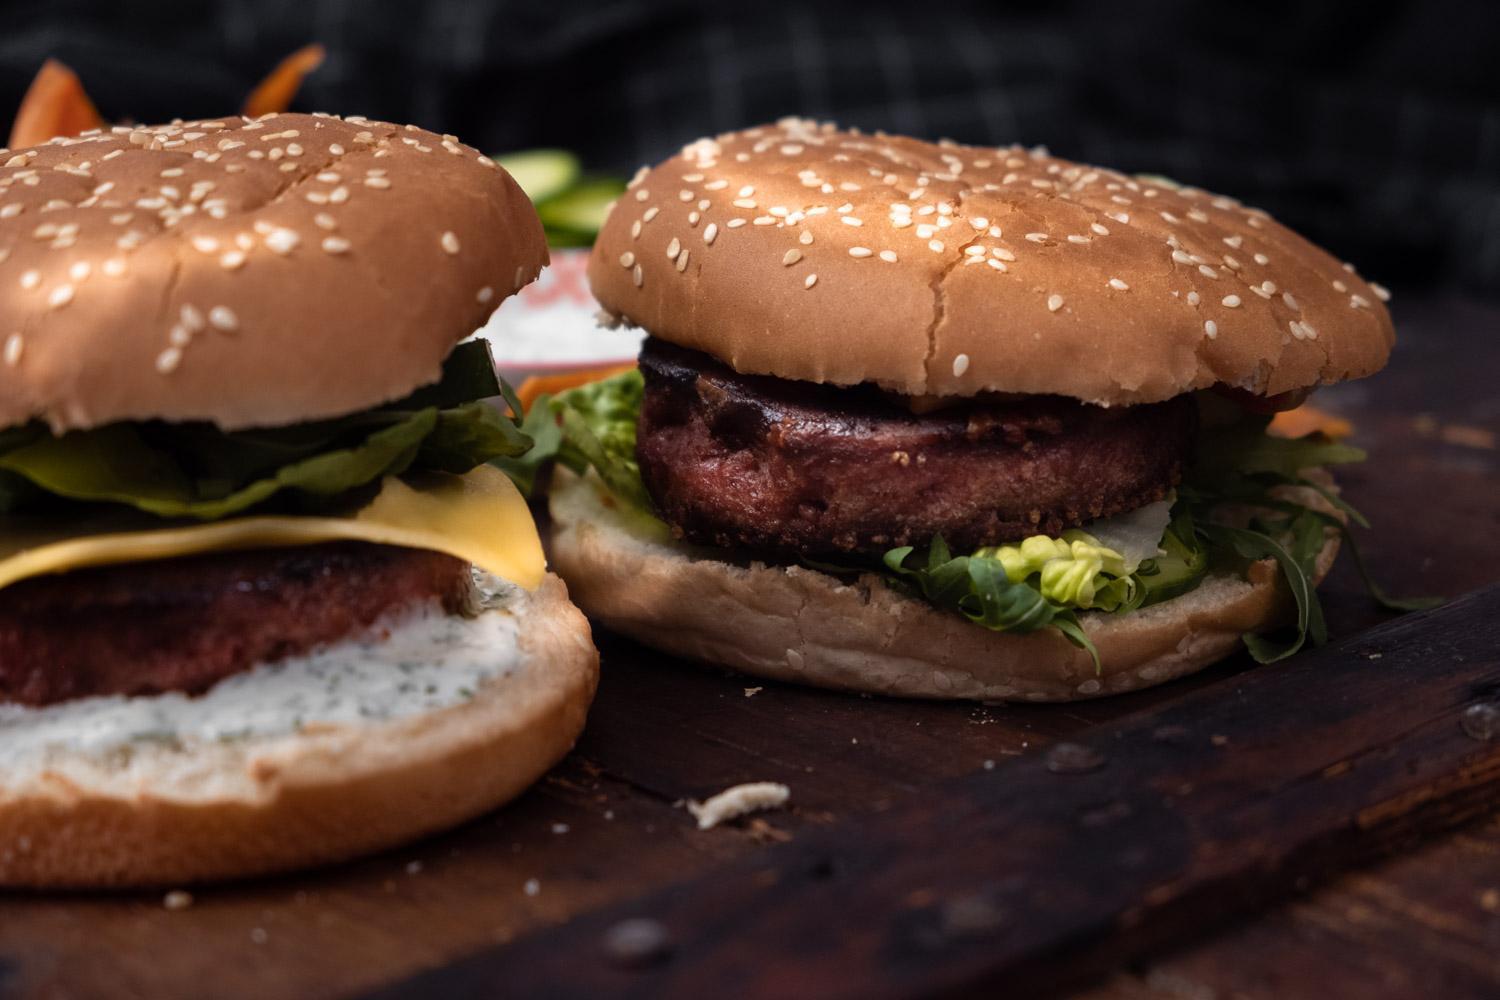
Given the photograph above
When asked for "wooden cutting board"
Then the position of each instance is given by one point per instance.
(903, 863)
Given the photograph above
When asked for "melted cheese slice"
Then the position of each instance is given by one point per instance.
(480, 518)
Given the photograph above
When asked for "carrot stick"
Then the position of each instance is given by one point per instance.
(276, 91)
(55, 105)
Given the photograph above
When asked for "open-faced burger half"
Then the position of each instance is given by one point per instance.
(263, 600)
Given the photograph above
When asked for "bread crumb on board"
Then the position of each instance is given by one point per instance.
(738, 801)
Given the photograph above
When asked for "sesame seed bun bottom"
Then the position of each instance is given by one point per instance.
(791, 623)
(312, 797)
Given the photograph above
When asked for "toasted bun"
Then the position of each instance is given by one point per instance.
(246, 272)
(811, 253)
(790, 623)
(163, 815)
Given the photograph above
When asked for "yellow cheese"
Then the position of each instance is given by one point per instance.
(479, 517)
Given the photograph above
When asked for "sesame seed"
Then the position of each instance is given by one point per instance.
(205, 244)
(960, 365)
(325, 221)
(1118, 285)
(627, 259)
(735, 223)
(114, 267)
(168, 360)
(232, 259)
(1054, 302)
(1003, 254)
(975, 250)
(1210, 329)
(764, 220)
(1120, 217)
(709, 232)
(192, 318)
(682, 261)
(1193, 299)
(650, 213)
(1381, 292)
(1291, 303)
(380, 183)
(674, 248)
(13, 347)
(282, 241)
(449, 241)
(1232, 301)
(791, 257)
(1261, 259)
(60, 296)
(889, 256)
(861, 252)
(1234, 241)
(996, 264)
(484, 295)
(1098, 229)
(80, 270)
(805, 238)
(223, 318)
(1073, 238)
(180, 336)
(638, 276)
(746, 191)
(335, 244)
(1358, 302)
(635, 229)
(743, 203)
(936, 246)
(1207, 271)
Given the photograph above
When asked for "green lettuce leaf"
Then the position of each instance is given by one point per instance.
(197, 471)
(598, 430)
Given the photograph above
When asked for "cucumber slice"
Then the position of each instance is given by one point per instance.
(542, 173)
(580, 210)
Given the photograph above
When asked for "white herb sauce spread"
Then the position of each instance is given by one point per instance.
(419, 661)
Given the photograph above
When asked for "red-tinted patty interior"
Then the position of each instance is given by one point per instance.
(185, 624)
(799, 469)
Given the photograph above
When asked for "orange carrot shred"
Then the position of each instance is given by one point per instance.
(1306, 419)
(55, 105)
(276, 91)
(537, 385)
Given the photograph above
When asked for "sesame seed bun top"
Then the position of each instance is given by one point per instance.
(807, 252)
(248, 272)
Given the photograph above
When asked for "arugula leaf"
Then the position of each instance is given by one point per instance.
(977, 588)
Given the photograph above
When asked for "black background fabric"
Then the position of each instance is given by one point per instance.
(1372, 127)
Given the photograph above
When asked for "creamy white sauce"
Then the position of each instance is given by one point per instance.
(418, 661)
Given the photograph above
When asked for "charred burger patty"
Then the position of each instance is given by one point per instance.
(802, 469)
(185, 624)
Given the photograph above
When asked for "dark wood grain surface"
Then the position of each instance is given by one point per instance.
(606, 828)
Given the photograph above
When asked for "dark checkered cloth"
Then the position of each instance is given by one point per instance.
(1374, 128)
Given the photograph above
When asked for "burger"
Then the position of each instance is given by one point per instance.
(264, 599)
(936, 420)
